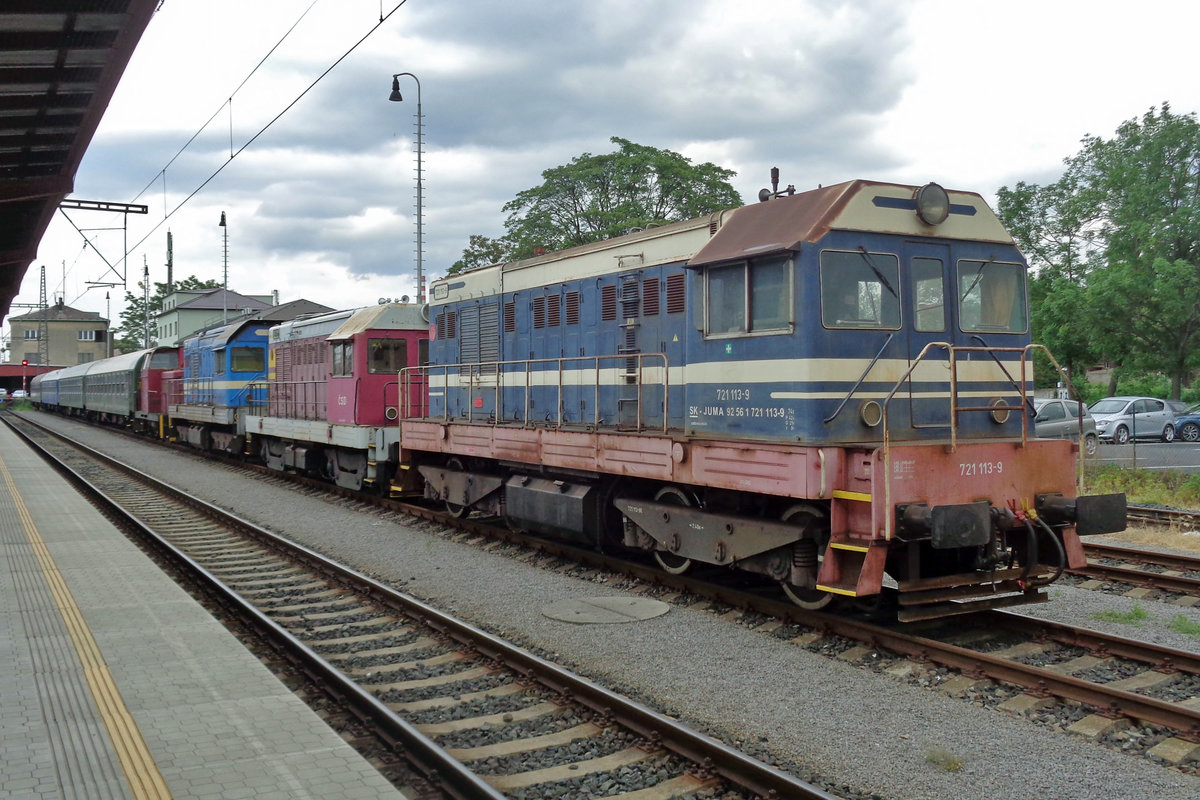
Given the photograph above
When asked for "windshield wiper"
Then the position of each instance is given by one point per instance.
(978, 278)
(862, 251)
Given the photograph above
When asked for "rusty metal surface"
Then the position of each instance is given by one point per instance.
(783, 223)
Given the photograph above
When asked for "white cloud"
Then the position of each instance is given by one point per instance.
(321, 204)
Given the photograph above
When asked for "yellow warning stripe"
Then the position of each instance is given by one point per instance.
(136, 761)
(835, 590)
(842, 494)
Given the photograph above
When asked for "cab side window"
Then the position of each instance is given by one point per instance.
(749, 297)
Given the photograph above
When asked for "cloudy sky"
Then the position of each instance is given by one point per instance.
(321, 204)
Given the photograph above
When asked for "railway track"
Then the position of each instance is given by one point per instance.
(1109, 681)
(475, 715)
(1165, 572)
(1164, 517)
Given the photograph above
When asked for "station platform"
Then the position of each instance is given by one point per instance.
(114, 683)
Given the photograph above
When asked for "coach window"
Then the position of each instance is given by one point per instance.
(991, 297)
(929, 294)
(751, 297)
(859, 289)
(386, 356)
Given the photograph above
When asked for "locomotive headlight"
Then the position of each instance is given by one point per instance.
(870, 412)
(933, 204)
(999, 412)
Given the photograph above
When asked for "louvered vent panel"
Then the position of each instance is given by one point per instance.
(489, 334)
(469, 325)
(608, 303)
(572, 308)
(676, 293)
(650, 297)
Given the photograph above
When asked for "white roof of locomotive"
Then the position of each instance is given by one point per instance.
(388, 317)
(343, 324)
(677, 241)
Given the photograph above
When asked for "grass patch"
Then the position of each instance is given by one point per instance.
(1147, 487)
(944, 760)
(1181, 624)
(1132, 617)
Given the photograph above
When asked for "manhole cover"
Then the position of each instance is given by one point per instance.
(605, 610)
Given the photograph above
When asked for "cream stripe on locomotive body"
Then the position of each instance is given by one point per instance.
(825, 388)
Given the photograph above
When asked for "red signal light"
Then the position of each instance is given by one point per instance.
(24, 362)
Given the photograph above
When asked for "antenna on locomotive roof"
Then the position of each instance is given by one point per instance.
(768, 194)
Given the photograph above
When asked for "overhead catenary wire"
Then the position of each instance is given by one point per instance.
(162, 172)
(168, 214)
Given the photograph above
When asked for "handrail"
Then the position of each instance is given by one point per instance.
(506, 373)
(953, 353)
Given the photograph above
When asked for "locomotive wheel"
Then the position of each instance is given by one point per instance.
(454, 509)
(671, 563)
(808, 599)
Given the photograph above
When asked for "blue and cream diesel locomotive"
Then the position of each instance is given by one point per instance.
(223, 379)
(828, 388)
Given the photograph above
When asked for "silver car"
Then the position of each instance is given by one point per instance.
(1119, 419)
(1060, 419)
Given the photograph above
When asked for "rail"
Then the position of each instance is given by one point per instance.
(629, 374)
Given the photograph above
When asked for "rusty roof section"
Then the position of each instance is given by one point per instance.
(777, 225)
(60, 61)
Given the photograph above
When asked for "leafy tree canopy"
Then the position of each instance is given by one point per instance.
(1115, 244)
(596, 197)
(129, 335)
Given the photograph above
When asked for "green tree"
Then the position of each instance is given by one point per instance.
(480, 252)
(1117, 240)
(596, 197)
(128, 336)
(1058, 237)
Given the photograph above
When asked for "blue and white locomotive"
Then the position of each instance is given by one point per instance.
(828, 388)
(223, 379)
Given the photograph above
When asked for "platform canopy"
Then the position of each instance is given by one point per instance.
(60, 61)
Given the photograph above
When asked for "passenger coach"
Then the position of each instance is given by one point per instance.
(127, 389)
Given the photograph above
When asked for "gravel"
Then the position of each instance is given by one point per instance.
(806, 710)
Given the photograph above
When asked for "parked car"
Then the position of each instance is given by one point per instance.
(3, 394)
(1119, 419)
(20, 394)
(1187, 424)
(1060, 419)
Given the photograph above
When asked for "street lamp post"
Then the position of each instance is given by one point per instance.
(395, 97)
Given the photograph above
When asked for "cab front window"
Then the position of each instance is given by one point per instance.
(859, 289)
(991, 297)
